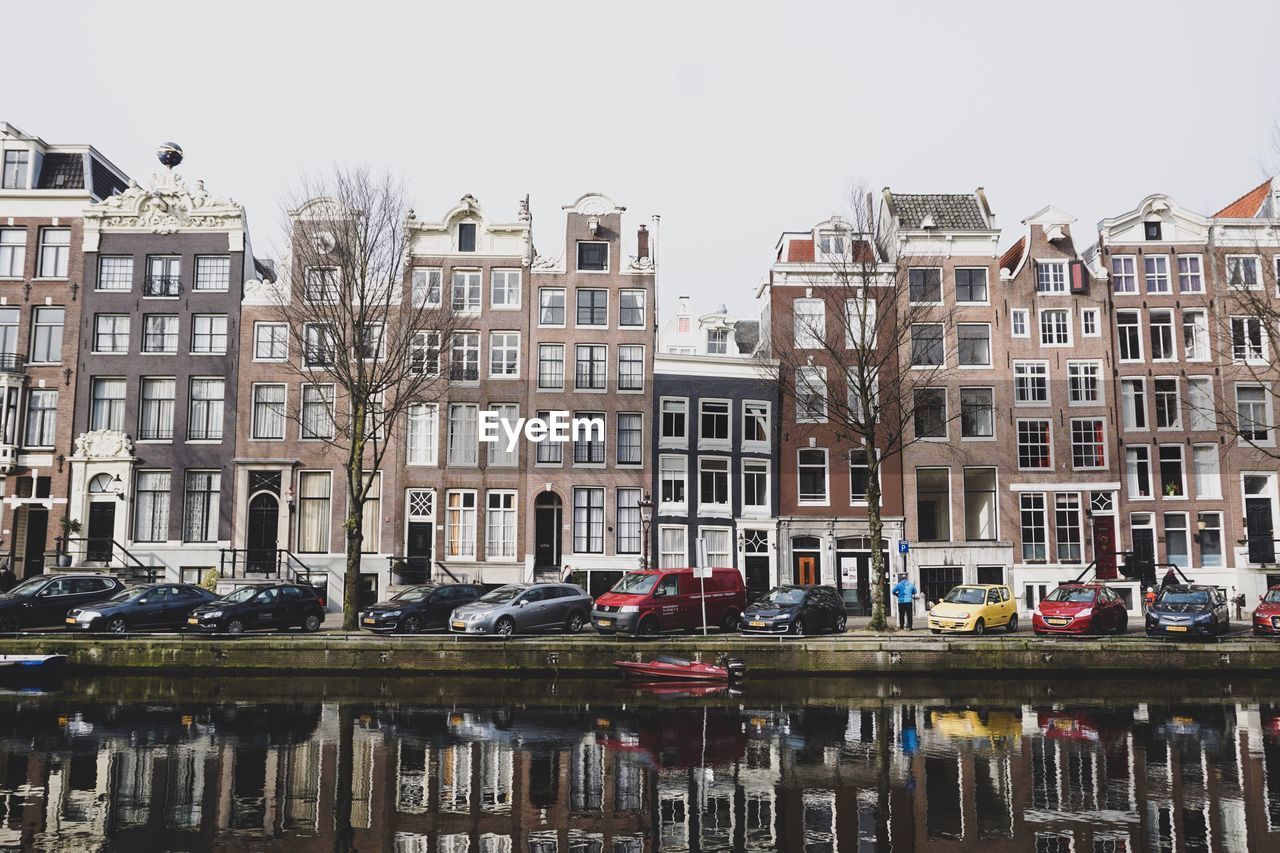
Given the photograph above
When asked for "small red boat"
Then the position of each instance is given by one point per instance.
(678, 669)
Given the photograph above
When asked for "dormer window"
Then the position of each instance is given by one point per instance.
(15, 169)
(831, 244)
(1051, 277)
(1152, 230)
(593, 256)
(717, 341)
(682, 325)
(467, 237)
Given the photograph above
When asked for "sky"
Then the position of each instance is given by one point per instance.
(733, 121)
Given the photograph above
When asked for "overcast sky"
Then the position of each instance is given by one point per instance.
(734, 121)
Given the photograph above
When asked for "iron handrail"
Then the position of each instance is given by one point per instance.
(129, 561)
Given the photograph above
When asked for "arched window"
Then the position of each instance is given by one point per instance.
(100, 485)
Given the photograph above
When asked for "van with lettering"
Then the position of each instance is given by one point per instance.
(652, 601)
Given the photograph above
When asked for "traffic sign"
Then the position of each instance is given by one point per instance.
(904, 546)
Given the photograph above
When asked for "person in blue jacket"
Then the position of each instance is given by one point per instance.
(905, 592)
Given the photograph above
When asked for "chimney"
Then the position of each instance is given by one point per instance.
(642, 242)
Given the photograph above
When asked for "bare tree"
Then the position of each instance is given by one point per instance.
(869, 369)
(371, 332)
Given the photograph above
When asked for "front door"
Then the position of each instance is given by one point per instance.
(806, 572)
(1144, 553)
(262, 538)
(546, 552)
(37, 530)
(757, 570)
(1104, 546)
(418, 551)
(1260, 530)
(102, 529)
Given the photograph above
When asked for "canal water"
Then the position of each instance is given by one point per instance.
(440, 766)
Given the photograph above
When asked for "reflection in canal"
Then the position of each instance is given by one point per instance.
(413, 772)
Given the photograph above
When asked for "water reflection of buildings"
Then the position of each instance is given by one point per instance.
(612, 781)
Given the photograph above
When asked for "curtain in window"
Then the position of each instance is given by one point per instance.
(151, 507)
(156, 417)
(108, 404)
(201, 515)
(371, 522)
(313, 512)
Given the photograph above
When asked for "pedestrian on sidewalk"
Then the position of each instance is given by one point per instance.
(1149, 598)
(905, 592)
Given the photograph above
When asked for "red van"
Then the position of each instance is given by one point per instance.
(654, 600)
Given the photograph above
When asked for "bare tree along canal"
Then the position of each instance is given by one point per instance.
(438, 766)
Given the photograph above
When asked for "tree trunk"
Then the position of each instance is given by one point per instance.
(351, 579)
(876, 528)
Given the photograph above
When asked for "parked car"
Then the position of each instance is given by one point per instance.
(795, 610)
(45, 600)
(1188, 610)
(251, 608)
(1266, 616)
(655, 600)
(520, 608)
(1080, 608)
(974, 609)
(154, 605)
(419, 608)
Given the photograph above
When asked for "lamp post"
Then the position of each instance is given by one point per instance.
(646, 508)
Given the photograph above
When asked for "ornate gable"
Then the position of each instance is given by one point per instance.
(165, 207)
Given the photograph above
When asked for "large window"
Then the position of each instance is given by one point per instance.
(55, 252)
(1207, 477)
(466, 290)
(1248, 343)
(1084, 382)
(42, 417)
(1243, 272)
(1031, 382)
(1168, 410)
(1156, 272)
(1066, 517)
(1162, 345)
(1034, 527)
(1124, 276)
(630, 368)
(313, 511)
(321, 285)
(270, 341)
(268, 411)
(675, 422)
(1034, 446)
(593, 256)
(204, 422)
(106, 406)
(1088, 443)
(974, 344)
(1201, 412)
(859, 323)
(1133, 403)
(504, 288)
(713, 422)
(551, 306)
(673, 477)
(1210, 524)
(200, 509)
(1177, 544)
(422, 439)
(755, 422)
(371, 515)
(628, 522)
(926, 345)
(213, 273)
(933, 504)
(1055, 328)
(980, 514)
(588, 520)
(713, 485)
(930, 412)
(319, 346)
(1137, 466)
(809, 320)
(111, 333)
(1051, 277)
(46, 335)
(13, 252)
(1129, 332)
(155, 409)
(317, 411)
(1195, 335)
(463, 435)
(631, 308)
(811, 394)
(160, 333)
(460, 524)
(630, 439)
(1190, 274)
(500, 525)
(590, 367)
(589, 444)
(504, 355)
(9, 330)
(811, 475)
(426, 286)
(673, 547)
(755, 486)
(717, 542)
(1173, 476)
(593, 307)
(17, 163)
(977, 414)
(971, 284)
(551, 366)
(424, 353)
(1252, 421)
(114, 272)
(717, 341)
(209, 334)
(151, 506)
(508, 415)
(464, 359)
(924, 284)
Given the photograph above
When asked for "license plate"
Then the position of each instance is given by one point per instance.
(1175, 627)
(458, 624)
(757, 624)
(368, 621)
(71, 620)
(193, 621)
(604, 623)
(1057, 621)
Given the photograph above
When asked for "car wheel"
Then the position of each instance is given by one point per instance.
(648, 627)
(117, 625)
(730, 621)
(1013, 624)
(797, 627)
(8, 624)
(413, 625)
(312, 623)
(841, 622)
(935, 630)
(506, 627)
(1122, 627)
(979, 628)
(574, 625)
(235, 626)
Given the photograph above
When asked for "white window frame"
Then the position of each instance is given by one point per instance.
(1267, 409)
(1071, 427)
(1182, 465)
(1241, 258)
(429, 444)
(767, 441)
(1196, 275)
(1056, 284)
(1149, 274)
(1137, 456)
(1201, 416)
(456, 546)
(1018, 443)
(1128, 404)
(716, 443)
(826, 470)
(1129, 276)
(716, 510)
(1172, 325)
(493, 289)
(1054, 330)
(1200, 332)
(507, 348)
(1210, 475)
(564, 306)
(509, 519)
(990, 347)
(757, 509)
(664, 440)
(1019, 365)
(1176, 426)
(1138, 326)
(254, 432)
(682, 467)
(1090, 316)
(257, 328)
(1020, 317)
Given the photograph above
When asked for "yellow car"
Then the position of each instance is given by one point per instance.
(975, 609)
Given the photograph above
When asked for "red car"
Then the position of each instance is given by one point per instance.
(1080, 608)
(1266, 616)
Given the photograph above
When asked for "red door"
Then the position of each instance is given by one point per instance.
(1104, 547)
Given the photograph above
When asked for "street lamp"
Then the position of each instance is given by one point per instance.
(646, 509)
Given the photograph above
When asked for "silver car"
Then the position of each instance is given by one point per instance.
(522, 608)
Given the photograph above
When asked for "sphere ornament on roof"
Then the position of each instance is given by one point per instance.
(169, 154)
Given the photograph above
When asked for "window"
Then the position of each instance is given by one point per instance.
(9, 331)
(151, 506)
(504, 288)
(859, 476)
(630, 368)
(1035, 534)
(588, 520)
(1034, 448)
(811, 394)
(593, 307)
(371, 516)
(106, 409)
(313, 511)
(551, 306)
(924, 284)
(974, 341)
(1247, 343)
(1137, 464)
(831, 245)
(1162, 347)
(466, 290)
(1133, 401)
(1243, 272)
(200, 510)
(213, 273)
(268, 411)
(504, 355)
(1210, 539)
(13, 252)
(1129, 330)
(317, 411)
(500, 525)
(1204, 461)
(1253, 423)
(717, 341)
(422, 440)
(977, 413)
(1200, 404)
(1195, 335)
(367, 345)
(630, 438)
(464, 360)
(426, 286)
(1019, 323)
(1168, 413)
(673, 475)
(209, 334)
(1124, 274)
(980, 516)
(549, 452)
(1156, 270)
(809, 323)
(593, 257)
(590, 374)
(111, 333)
(114, 273)
(270, 341)
(424, 353)
(550, 366)
(811, 475)
(675, 421)
(319, 347)
(1173, 482)
(1066, 518)
(713, 422)
(155, 410)
(1088, 443)
(716, 542)
(755, 486)
(631, 308)
(16, 163)
(319, 285)
(1084, 382)
(1151, 230)
(1055, 328)
(1089, 325)
(55, 252)
(933, 504)
(926, 344)
(42, 417)
(466, 238)
(971, 285)
(1031, 382)
(713, 484)
(673, 548)
(930, 412)
(755, 422)
(589, 444)
(460, 524)
(1190, 274)
(463, 437)
(628, 522)
(508, 415)
(1051, 277)
(859, 323)
(1176, 542)
(205, 420)
(46, 335)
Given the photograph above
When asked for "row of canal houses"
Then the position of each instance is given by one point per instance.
(145, 367)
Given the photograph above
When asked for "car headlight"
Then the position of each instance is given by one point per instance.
(1203, 617)
(629, 608)
(87, 615)
(962, 616)
(391, 613)
(1088, 611)
(1035, 611)
(212, 614)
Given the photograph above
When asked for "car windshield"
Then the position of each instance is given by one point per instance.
(28, 588)
(784, 596)
(636, 583)
(241, 595)
(417, 593)
(1076, 595)
(966, 595)
(501, 594)
(1273, 596)
(1191, 596)
(128, 594)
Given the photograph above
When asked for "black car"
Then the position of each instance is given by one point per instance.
(251, 608)
(419, 608)
(795, 610)
(46, 599)
(162, 606)
(1188, 610)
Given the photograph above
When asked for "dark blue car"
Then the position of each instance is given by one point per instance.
(154, 607)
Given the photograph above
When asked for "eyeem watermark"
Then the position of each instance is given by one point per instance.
(558, 427)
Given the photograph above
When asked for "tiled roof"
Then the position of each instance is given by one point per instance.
(1247, 206)
(800, 252)
(950, 211)
(747, 335)
(1012, 254)
(62, 172)
(105, 182)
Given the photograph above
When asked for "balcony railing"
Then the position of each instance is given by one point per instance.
(12, 363)
(162, 285)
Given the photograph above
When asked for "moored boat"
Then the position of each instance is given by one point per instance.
(29, 664)
(665, 668)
